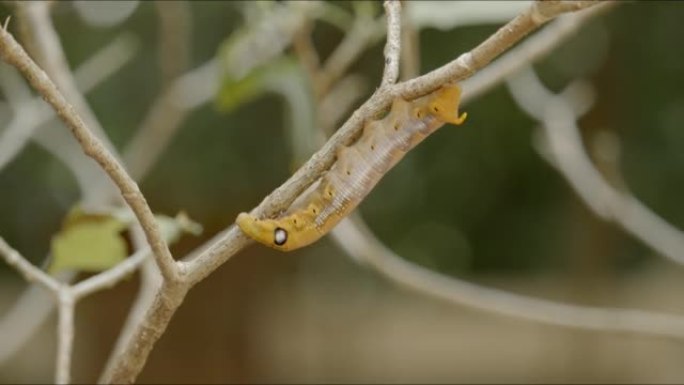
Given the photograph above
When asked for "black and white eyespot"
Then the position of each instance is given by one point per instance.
(279, 236)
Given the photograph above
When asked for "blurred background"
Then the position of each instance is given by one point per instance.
(476, 202)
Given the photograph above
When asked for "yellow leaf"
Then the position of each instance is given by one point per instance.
(88, 243)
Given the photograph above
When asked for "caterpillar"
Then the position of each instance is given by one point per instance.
(357, 169)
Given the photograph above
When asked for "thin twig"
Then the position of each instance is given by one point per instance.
(567, 153)
(303, 46)
(30, 272)
(337, 103)
(19, 130)
(364, 32)
(150, 284)
(358, 241)
(167, 114)
(65, 336)
(22, 321)
(468, 63)
(106, 61)
(15, 55)
(410, 50)
(110, 277)
(65, 300)
(174, 38)
(31, 113)
(125, 366)
(47, 48)
(393, 45)
(529, 51)
(66, 296)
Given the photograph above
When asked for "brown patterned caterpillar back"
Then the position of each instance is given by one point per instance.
(357, 170)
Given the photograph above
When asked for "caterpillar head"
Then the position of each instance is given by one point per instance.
(443, 104)
(278, 234)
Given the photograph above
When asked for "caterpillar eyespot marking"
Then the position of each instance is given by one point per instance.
(333, 196)
(279, 236)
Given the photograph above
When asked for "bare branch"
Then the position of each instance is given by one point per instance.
(410, 50)
(468, 63)
(337, 103)
(65, 331)
(111, 277)
(14, 88)
(15, 55)
(357, 240)
(19, 130)
(393, 45)
(25, 317)
(167, 114)
(567, 154)
(306, 52)
(174, 38)
(65, 336)
(150, 284)
(106, 61)
(528, 51)
(364, 32)
(31, 113)
(155, 133)
(129, 362)
(46, 47)
(26, 268)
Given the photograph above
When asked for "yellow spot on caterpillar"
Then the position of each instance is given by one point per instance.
(444, 105)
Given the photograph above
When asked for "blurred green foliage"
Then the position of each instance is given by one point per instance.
(471, 199)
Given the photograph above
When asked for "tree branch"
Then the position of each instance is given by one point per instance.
(530, 50)
(363, 32)
(27, 270)
(393, 45)
(31, 113)
(65, 336)
(465, 65)
(110, 277)
(564, 145)
(15, 55)
(150, 285)
(356, 239)
(167, 114)
(35, 18)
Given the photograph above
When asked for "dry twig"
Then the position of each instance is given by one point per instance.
(15, 55)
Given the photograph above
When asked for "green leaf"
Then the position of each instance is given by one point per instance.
(88, 242)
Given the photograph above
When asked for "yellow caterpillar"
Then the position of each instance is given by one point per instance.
(357, 170)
